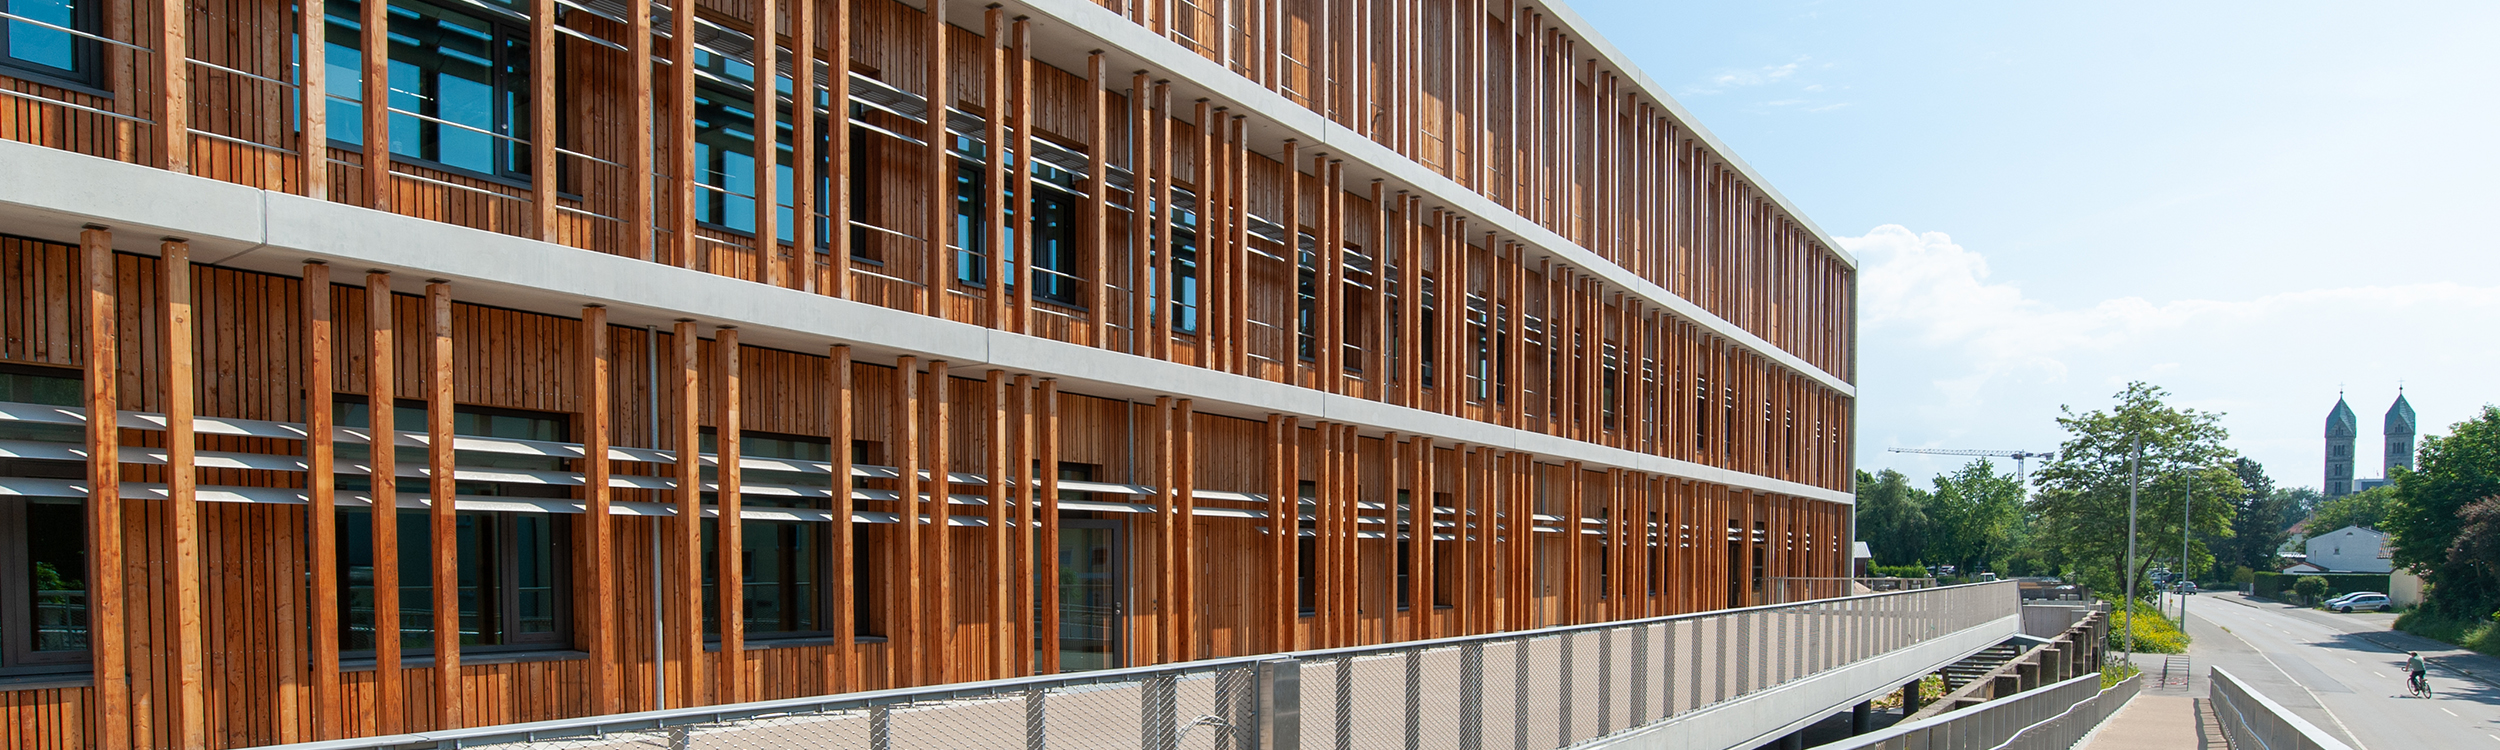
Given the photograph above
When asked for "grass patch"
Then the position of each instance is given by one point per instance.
(2154, 633)
(2478, 634)
(1929, 687)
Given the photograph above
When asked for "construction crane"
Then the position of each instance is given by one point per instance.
(2021, 469)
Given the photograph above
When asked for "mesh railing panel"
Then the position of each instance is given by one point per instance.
(1524, 691)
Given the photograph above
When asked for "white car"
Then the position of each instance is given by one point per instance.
(2341, 598)
(2374, 602)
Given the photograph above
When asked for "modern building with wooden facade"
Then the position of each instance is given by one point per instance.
(1183, 329)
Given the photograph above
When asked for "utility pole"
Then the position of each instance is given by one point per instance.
(2134, 482)
(2186, 505)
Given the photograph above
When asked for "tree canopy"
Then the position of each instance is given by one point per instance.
(2428, 515)
(2261, 521)
(2367, 509)
(2082, 507)
(1975, 516)
(1892, 517)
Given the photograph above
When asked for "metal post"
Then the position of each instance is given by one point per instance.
(1279, 705)
(1861, 718)
(1345, 703)
(1640, 676)
(2128, 569)
(1036, 725)
(1414, 698)
(880, 727)
(1471, 696)
(2187, 505)
(1562, 711)
(1159, 712)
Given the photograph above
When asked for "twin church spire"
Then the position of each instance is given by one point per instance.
(2343, 429)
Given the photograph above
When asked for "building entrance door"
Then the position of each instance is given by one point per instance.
(1090, 605)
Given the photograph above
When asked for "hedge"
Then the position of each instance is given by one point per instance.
(2278, 586)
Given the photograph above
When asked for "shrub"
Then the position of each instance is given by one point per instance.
(2116, 672)
(1912, 570)
(2310, 588)
(2478, 634)
(2154, 634)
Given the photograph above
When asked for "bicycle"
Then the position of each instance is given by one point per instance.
(2420, 686)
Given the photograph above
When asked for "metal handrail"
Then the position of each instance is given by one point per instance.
(74, 32)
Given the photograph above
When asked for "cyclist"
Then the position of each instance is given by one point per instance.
(2416, 667)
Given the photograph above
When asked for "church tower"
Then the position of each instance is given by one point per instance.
(2341, 428)
(2399, 435)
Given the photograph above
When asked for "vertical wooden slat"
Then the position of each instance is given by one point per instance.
(1421, 509)
(1283, 510)
(1185, 492)
(312, 141)
(1160, 221)
(321, 492)
(381, 378)
(940, 257)
(106, 610)
(1097, 222)
(181, 489)
(1049, 554)
(373, 29)
(903, 662)
(1141, 213)
(940, 405)
(803, 140)
(1023, 273)
(641, 204)
(542, 116)
(1000, 645)
(729, 533)
(442, 492)
(841, 664)
(995, 201)
(681, 166)
(173, 77)
(1167, 528)
(1018, 638)
(596, 420)
(838, 166)
(767, 105)
(686, 590)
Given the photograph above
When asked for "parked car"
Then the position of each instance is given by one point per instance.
(2372, 602)
(2341, 598)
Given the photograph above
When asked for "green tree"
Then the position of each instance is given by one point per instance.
(2261, 521)
(2082, 505)
(2367, 509)
(2426, 515)
(2309, 588)
(1892, 517)
(1974, 516)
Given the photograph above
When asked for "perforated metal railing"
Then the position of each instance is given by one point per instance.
(1547, 688)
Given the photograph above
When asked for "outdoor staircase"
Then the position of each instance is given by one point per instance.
(1962, 672)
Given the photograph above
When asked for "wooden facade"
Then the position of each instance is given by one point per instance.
(1719, 332)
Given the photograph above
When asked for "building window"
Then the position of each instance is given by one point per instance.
(783, 563)
(1184, 270)
(1306, 298)
(459, 87)
(47, 52)
(1051, 230)
(1427, 336)
(1415, 531)
(514, 566)
(1444, 553)
(724, 151)
(43, 540)
(1306, 553)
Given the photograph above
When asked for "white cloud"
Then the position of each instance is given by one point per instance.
(1952, 356)
(1733, 78)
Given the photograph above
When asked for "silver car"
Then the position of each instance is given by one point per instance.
(2374, 602)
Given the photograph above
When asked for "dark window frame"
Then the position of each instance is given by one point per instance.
(509, 46)
(17, 653)
(87, 68)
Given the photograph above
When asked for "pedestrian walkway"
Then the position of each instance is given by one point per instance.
(2160, 722)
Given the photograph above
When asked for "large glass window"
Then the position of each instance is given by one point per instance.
(43, 540)
(786, 566)
(1184, 270)
(36, 43)
(459, 86)
(724, 149)
(513, 567)
(1051, 231)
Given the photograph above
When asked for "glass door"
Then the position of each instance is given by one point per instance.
(1089, 595)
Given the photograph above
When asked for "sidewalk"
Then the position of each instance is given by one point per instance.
(2160, 722)
(2479, 667)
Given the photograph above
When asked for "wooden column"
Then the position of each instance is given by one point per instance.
(939, 407)
(181, 489)
(803, 140)
(542, 122)
(597, 420)
(729, 532)
(1140, 217)
(373, 31)
(1284, 517)
(1097, 224)
(838, 169)
(1159, 303)
(321, 494)
(939, 263)
(1000, 272)
(903, 660)
(686, 591)
(442, 492)
(1184, 483)
(1024, 196)
(107, 612)
(1049, 554)
(381, 375)
(682, 191)
(312, 111)
(1420, 518)
(1351, 480)
(841, 663)
(1376, 358)
(1027, 467)
(1167, 527)
(767, 105)
(1242, 295)
(1410, 306)
(1003, 472)
(641, 202)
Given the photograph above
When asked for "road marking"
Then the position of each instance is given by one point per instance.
(2380, 676)
(2348, 660)
(2450, 713)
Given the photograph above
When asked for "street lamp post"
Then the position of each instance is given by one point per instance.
(2133, 483)
(2186, 504)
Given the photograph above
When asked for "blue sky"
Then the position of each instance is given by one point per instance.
(2249, 204)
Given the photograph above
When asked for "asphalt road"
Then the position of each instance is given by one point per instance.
(2314, 663)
